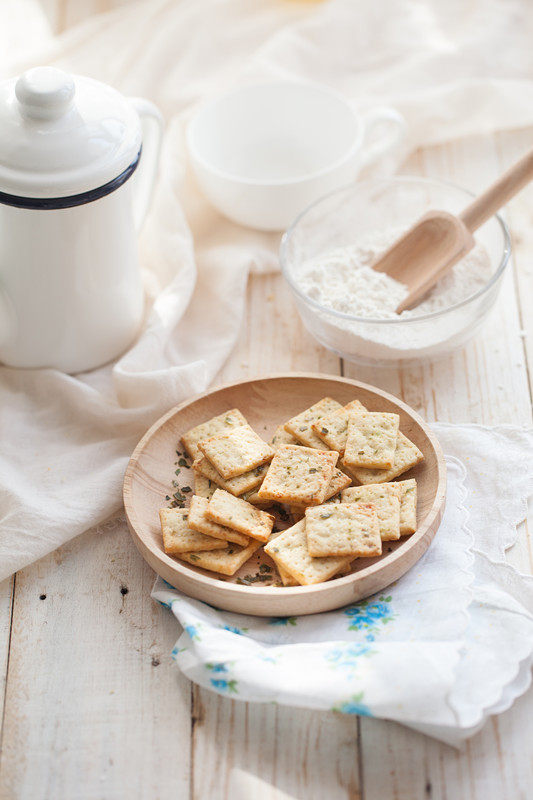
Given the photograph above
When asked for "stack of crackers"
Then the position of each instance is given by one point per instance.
(309, 469)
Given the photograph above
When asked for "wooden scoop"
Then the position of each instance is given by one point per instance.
(439, 239)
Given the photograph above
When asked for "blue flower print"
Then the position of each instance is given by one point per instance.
(224, 686)
(283, 621)
(177, 650)
(354, 706)
(238, 631)
(366, 615)
(192, 630)
(348, 655)
(218, 667)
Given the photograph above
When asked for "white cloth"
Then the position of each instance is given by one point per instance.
(439, 650)
(452, 68)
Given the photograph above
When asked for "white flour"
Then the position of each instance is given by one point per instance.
(342, 280)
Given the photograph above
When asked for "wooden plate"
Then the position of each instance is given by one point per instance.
(266, 402)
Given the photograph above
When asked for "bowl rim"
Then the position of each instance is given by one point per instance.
(506, 254)
(208, 165)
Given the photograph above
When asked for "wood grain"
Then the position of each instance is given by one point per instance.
(267, 402)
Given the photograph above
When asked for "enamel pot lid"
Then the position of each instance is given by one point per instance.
(63, 135)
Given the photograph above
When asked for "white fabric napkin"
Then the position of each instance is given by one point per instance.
(453, 69)
(439, 650)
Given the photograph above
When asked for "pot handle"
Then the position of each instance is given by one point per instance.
(146, 172)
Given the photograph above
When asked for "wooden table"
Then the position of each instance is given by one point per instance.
(93, 705)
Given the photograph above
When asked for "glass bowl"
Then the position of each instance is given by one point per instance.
(344, 216)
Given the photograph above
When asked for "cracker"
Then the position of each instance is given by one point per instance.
(178, 538)
(199, 521)
(236, 513)
(236, 451)
(286, 577)
(226, 561)
(385, 498)
(339, 481)
(371, 440)
(300, 426)
(281, 436)
(229, 419)
(406, 456)
(346, 529)
(203, 487)
(298, 475)
(407, 506)
(253, 498)
(289, 551)
(239, 485)
(332, 428)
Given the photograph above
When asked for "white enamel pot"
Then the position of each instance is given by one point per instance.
(77, 166)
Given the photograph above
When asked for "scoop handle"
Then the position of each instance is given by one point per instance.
(510, 183)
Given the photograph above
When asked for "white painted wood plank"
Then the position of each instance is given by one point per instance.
(241, 749)
(486, 383)
(6, 597)
(94, 708)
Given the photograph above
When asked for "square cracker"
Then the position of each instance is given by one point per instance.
(236, 513)
(339, 481)
(346, 529)
(229, 419)
(281, 436)
(406, 455)
(178, 538)
(286, 577)
(300, 426)
(289, 551)
(371, 441)
(385, 498)
(199, 521)
(332, 428)
(239, 485)
(236, 451)
(203, 487)
(407, 506)
(226, 561)
(298, 475)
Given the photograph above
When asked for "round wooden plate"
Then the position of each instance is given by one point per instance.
(266, 402)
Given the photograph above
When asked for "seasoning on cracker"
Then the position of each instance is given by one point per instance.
(239, 485)
(236, 513)
(385, 498)
(339, 481)
(199, 521)
(282, 436)
(406, 455)
(229, 419)
(236, 451)
(407, 506)
(298, 475)
(332, 428)
(289, 551)
(226, 561)
(371, 440)
(203, 487)
(178, 537)
(346, 529)
(300, 426)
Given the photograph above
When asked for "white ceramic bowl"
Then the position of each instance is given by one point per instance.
(262, 153)
(344, 216)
